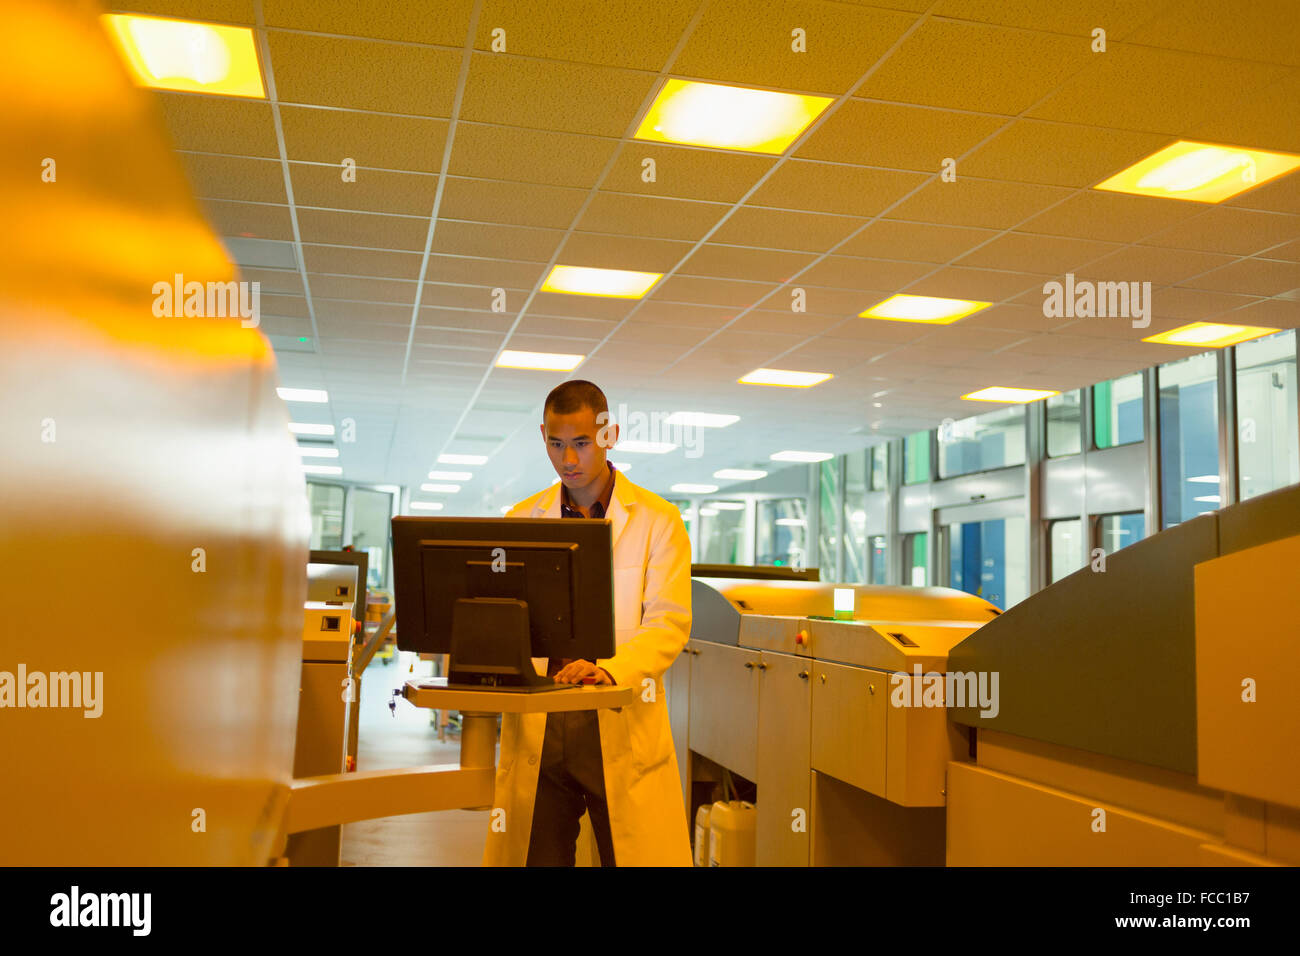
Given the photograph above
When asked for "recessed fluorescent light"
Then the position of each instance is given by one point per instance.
(306, 428)
(740, 474)
(1213, 499)
(610, 283)
(646, 447)
(1003, 393)
(1202, 172)
(781, 376)
(708, 512)
(303, 394)
(923, 308)
(539, 361)
(462, 459)
(426, 505)
(728, 505)
(451, 475)
(729, 117)
(165, 54)
(808, 456)
(687, 488)
(322, 469)
(791, 522)
(448, 489)
(1212, 334)
(1206, 479)
(308, 452)
(701, 419)
(505, 509)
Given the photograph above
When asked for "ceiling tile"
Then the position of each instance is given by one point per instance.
(920, 242)
(515, 204)
(249, 220)
(219, 124)
(373, 190)
(488, 241)
(625, 215)
(1140, 88)
(516, 154)
(340, 260)
(370, 140)
(847, 190)
(770, 229)
(564, 97)
(686, 172)
(1059, 154)
(1110, 217)
(972, 66)
(1224, 229)
(871, 133)
(232, 177)
(406, 21)
(744, 43)
(363, 229)
(975, 202)
(363, 74)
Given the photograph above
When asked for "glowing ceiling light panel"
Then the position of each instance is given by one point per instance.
(1213, 335)
(923, 308)
(188, 57)
(784, 377)
(729, 117)
(610, 283)
(1201, 172)
(1003, 393)
(539, 361)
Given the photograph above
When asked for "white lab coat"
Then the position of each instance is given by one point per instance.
(652, 621)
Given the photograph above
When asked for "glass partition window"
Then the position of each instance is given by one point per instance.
(326, 505)
(1267, 454)
(372, 513)
(880, 467)
(916, 458)
(1117, 411)
(1065, 547)
(1119, 531)
(916, 559)
(782, 532)
(879, 560)
(722, 532)
(992, 440)
(853, 558)
(828, 541)
(1064, 424)
(990, 559)
(1189, 438)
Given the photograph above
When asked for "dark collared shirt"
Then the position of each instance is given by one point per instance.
(598, 508)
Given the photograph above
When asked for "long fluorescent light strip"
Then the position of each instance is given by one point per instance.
(784, 377)
(539, 361)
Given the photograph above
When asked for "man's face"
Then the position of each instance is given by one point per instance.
(574, 443)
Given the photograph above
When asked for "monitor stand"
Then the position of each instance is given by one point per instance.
(491, 648)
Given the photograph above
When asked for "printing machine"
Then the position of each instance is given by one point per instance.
(776, 688)
(1149, 715)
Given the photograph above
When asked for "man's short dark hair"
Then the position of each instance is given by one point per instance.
(569, 397)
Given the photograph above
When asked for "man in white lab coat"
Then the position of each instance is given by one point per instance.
(619, 766)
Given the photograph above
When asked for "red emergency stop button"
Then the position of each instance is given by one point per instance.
(801, 637)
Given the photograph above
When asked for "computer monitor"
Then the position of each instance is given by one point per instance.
(357, 559)
(495, 592)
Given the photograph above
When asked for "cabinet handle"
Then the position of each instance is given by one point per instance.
(749, 664)
(761, 666)
(803, 675)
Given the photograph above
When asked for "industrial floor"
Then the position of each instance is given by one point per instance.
(407, 739)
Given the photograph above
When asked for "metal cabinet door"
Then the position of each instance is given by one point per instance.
(848, 724)
(724, 706)
(784, 780)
